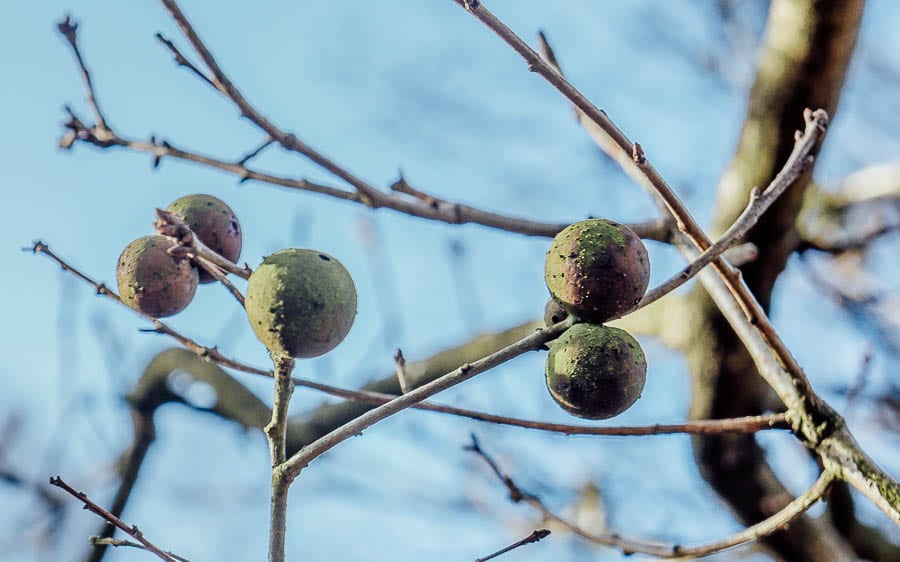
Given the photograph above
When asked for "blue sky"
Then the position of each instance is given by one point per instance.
(379, 87)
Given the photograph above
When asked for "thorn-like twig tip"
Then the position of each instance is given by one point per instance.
(68, 28)
(637, 154)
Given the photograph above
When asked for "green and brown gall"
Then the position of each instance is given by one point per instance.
(153, 282)
(597, 270)
(301, 302)
(595, 372)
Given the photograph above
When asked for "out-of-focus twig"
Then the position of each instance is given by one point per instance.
(630, 546)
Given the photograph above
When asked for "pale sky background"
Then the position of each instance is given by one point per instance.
(381, 86)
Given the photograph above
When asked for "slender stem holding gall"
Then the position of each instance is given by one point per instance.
(276, 434)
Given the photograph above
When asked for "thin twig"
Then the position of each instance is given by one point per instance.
(445, 211)
(534, 537)
(631, 157)
(461, 374)
(131, 530)
(799, 159)
(209, 353)
(368, 194)
(744, 425)
(748, 424)
(450, 213)
(181, 60)
(255, 152)
(109, 541)
(219, 275)
(69, 30)
(630, 546)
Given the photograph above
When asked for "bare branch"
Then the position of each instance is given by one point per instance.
(465, 372)
(109, 541)
(630, 546)
(209, 353)
(69, 30)
(534, 537)
(748, 424)
(631, 157)
(797, 162)
(813, 420)
(131, 530)
(401, 371)
(443, 211)
(181, 60)
(255, 152)
(276, 434)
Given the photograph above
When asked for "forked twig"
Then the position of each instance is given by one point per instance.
(109, 541)
(169, 224)
(444, 211)
(630, 546)
(799, 159)
(131, 530)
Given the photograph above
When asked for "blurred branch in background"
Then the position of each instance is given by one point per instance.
(865, 205)
(630, 546)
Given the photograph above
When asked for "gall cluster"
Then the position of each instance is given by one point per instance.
(596, 270)
(299, 302)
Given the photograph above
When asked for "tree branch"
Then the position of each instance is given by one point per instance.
(103, 542)
(428, 208)
(276, 433)
(69, 29)
(631, 546)
(813, 420)
(307, 454)
(799, 159)
(132, 530)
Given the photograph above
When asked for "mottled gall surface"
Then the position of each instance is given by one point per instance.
(300, 302)
(597, 270)
(595, 372)
(153, 282)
